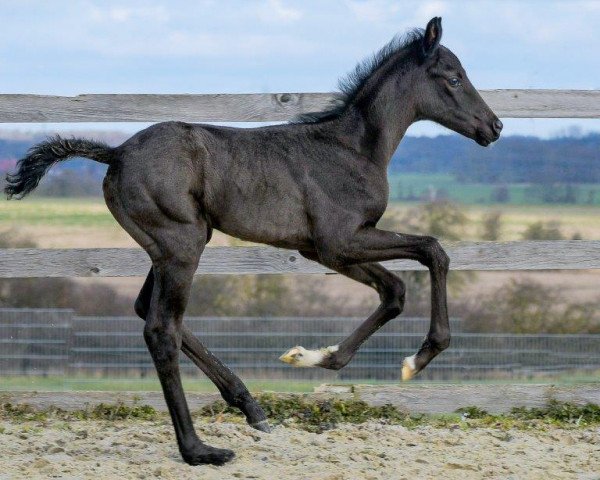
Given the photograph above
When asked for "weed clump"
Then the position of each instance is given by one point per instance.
(472, 412)
(304, 412)
(118, 411)
(22, 412)
(560, 412)
(315, 416)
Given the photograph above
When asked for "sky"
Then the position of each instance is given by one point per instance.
(234, 46)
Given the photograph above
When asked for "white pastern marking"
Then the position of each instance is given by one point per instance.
(409, 367)
(410, 361)
(301, 357)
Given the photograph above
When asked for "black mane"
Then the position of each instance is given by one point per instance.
(351, 84)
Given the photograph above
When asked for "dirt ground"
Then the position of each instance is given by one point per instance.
(146, 449)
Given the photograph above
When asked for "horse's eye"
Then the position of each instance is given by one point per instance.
(454, 82)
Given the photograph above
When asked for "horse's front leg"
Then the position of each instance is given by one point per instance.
(391, 292)
(370, 244)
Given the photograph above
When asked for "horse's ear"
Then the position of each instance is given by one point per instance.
(432, 36)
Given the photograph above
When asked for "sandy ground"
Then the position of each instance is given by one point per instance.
(142, 449)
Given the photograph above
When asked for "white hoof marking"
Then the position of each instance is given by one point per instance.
(409, 368)
(301, 357)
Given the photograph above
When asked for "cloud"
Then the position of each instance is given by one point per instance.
(121, 14)
(373, 10)
(551, 23)
(428, 10)
(274, 11)
(180, 43)
(112, 44)
(407, 13)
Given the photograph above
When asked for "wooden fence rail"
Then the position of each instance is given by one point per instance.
(261, 107)
(124, 262)
(527, 255)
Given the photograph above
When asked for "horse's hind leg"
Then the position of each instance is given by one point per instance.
(391, 292)
(173, 277)
(174, 236)
(232, 389)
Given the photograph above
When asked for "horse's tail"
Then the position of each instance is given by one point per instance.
(42, 156)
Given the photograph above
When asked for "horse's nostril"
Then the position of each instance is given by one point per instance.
(498, 126)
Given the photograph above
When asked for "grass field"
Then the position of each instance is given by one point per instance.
(583, 220)
(417, 185)
(83, 212)
(86, 222)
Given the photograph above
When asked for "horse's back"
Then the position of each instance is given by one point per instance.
(242, 181)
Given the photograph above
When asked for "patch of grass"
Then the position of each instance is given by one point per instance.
(57, 211)
(23, 412)
(321, 415)
(472, 412)
(118, 411)
(300, 411)
(77, 220)
(561, 412)
(311, 415)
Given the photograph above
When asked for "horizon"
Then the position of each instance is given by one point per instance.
(82, 129)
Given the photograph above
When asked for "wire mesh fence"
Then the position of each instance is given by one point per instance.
(36, 342)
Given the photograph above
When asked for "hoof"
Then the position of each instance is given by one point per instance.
(263, 426)
(255, 415)
(301, 357)
(409, 369)
(207, 455)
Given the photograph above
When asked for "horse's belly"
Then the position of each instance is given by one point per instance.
(274, 224)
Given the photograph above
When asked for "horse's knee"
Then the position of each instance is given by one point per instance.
(399, 292)
(435, 255)
(393, 296)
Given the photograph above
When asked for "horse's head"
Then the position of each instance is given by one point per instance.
(446, 95)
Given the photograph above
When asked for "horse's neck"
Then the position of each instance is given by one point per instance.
(381, 121)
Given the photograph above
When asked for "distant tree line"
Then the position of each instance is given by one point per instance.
(513, 159)
(553, 167)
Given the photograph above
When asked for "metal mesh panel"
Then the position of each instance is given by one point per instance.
(55, 342)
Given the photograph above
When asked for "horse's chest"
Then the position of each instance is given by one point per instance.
(365, 194)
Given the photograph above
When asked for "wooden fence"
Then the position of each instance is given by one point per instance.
(110, 262)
